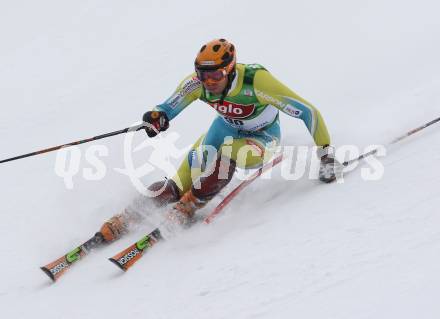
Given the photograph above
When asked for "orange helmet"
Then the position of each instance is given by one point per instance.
(216, 54)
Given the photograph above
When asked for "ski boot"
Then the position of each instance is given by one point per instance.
(184, 210)
(114, 228)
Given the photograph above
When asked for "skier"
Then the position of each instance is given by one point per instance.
(248, 99)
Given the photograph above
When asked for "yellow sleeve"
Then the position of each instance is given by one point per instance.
(189, 90)
(271, 91)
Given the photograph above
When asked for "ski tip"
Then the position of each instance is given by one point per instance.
(48, 273)
(117, 264)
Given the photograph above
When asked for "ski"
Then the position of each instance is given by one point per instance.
(127, 257)
(58, 267)
(219, 208)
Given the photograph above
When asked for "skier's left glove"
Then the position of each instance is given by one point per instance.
(155, 121)
(330, 168)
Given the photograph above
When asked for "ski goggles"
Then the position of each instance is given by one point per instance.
(212, 75)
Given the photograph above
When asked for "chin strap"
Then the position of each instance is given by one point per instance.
(231, 77)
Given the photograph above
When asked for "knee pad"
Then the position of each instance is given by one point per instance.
(221, 176)
(169, 194)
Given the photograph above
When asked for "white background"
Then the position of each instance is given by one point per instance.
(283, 249)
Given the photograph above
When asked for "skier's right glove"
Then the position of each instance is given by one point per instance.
(156, 121)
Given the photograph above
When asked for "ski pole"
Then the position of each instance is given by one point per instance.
(398, 139)
(87, 140)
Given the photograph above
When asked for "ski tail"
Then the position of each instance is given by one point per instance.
(59, 267)
(129, 256)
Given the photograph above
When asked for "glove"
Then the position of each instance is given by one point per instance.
(330, 168)
(156, 121)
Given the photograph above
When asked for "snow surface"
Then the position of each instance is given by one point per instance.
(283, 249)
